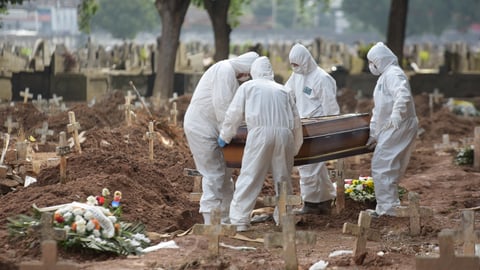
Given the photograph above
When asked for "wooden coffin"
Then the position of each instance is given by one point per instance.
(324, 138)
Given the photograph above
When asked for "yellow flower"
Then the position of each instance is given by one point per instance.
(349, 190)
(355, 182)
(369, 183)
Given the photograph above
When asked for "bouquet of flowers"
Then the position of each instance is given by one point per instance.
(360, 189)
(94, 225)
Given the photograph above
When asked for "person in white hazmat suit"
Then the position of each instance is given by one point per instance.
(393, 127)
(315, 95)
(202, 122)
(274, 138)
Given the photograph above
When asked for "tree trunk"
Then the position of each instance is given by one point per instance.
(172, 13)
(218, 13)
(397, 22)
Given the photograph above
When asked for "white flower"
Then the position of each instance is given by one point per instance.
(96, 233)
(81, 228)
(141, 237)
(91, 200)
(67, 228)
(78, 211)
(88, 215)
(359, 187)
(67, 215)
(90, 226)
(105, 192)
(79, 219)
(113, 219)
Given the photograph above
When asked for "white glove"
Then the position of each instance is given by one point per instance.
(371, 143)
(394, 121)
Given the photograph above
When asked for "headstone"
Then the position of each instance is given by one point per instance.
(26, 95)
(415, 212)
(362, 232)
(73, 128)
(62, 150)
(283, 201)
(447, 259)
(44, 132)
(466, 234)
(196, 193)
(214, 231)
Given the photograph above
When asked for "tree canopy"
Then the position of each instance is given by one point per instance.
(424, 16)
(122, 18)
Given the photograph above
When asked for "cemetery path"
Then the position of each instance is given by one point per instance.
(156, 193)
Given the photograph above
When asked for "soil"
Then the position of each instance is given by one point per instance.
(156, 192)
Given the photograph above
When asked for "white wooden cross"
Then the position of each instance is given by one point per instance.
(467, 234)
(62, 150)
(414, 211)
(128, 106)
(44, 132)
(40, 103)
(433, 99)
(55, 100)
(173, 98)
(283, 201)
(73, 128)
(26, 95)
(214, 231)
(10, 125)
(363, 233)
(447, 259)
(174, 113)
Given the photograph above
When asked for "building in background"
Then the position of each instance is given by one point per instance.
(42, 18)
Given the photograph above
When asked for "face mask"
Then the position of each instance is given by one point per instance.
(373, 69)
(298, 69)
(243, 78)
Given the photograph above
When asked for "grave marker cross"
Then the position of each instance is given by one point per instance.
(447, 259)
(283, 200)
(414, 211)
(73, 128)
(362, 232)
(214, 231)
(26, 95)
(467, 234)
(44, 132)
(10, 125)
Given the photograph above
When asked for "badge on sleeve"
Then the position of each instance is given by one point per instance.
(307, 90)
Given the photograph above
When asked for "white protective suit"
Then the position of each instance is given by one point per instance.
(392, 98)
(202, 122)
(274, 136)
(316, 95)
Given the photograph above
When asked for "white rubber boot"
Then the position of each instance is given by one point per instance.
(206, 219)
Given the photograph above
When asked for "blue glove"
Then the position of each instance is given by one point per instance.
(221, 142)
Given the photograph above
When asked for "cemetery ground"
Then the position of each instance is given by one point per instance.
(156, 192)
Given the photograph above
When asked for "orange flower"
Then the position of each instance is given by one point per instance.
(97, 224)
(74, 226)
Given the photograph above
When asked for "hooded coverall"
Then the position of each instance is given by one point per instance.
(202, 121)
(392, 99)
(274, 136)
(315, 94)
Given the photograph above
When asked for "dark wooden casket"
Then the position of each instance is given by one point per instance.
(324, 138)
